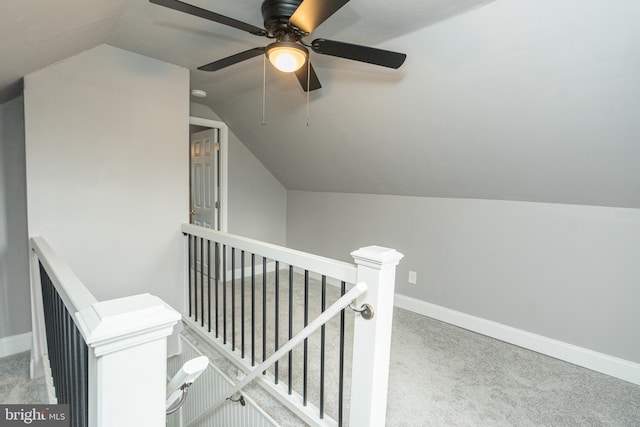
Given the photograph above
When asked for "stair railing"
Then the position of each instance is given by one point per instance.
(237, 289)
(344, 301)
(105, 359)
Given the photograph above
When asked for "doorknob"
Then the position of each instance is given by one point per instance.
(192, 212)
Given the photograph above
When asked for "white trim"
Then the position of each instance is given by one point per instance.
(372, 336)
(224, 163)
(15, 344)
(127, 359)
(118, 324)
(609, 365)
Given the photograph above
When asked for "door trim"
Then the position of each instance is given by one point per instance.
(224, 150)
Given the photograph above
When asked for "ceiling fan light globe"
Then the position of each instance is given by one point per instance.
(286, 58)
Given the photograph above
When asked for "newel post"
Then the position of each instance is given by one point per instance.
(372, 337)
(127, 341)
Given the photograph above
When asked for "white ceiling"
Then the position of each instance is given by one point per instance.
(518, 100)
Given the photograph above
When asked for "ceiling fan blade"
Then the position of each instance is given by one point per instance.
(211, 16)
(233, 59)
(311, 13)
(384, 58)
(303, 73)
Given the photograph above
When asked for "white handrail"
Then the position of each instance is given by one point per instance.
(72, 291)
(120, 336)
(331, 268)
(323, 318)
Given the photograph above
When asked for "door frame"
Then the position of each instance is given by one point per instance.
(223, 155)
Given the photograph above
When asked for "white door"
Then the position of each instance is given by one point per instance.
(205, 182)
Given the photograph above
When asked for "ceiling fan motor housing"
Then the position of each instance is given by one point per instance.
(288, 22)
(276, 14)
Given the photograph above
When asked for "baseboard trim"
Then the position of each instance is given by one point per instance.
(603, 363)
(15, 344)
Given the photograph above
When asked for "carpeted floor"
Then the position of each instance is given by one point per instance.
(445, 376)
(467, 379)
(15, 384)
(442, 375)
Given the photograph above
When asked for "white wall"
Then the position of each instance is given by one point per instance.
(14, 272)
(107, 173)
(257, 200)
(567, 272)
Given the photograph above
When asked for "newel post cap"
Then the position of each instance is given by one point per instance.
(377, 257)
(125, 322)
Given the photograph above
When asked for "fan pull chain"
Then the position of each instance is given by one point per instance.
(308, 83)
(264, 90)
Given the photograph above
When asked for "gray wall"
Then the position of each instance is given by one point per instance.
(257, 200)
(14, 271)
(108, 182)
(516, 100)
(567, 272)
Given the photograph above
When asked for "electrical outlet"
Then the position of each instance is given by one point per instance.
(413, 277)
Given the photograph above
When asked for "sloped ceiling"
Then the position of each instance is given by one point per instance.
(530, 100)
(34, 34)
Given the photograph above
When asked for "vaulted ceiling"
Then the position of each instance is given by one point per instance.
(531, 100)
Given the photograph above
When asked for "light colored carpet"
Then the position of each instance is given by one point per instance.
(15, 384)
(466, 379)
(441, 375)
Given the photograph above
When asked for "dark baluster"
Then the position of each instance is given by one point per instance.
(305, 343)
(253, 309)
(195, 278)
(290, 356)
(67, 353)
(61, 368)
(68, 356)
(202, 282)
(53, 335)
(233, 299)
(216, 250)
(62, 351)
(264, 310)
(189, 268)
(276, 324)
(69, 361)
(209, 285)
(224, 294)
(64, 362)
(242, 306)
(343, 290)
(323, 307)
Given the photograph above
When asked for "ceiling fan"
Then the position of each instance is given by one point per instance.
(287, 22)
